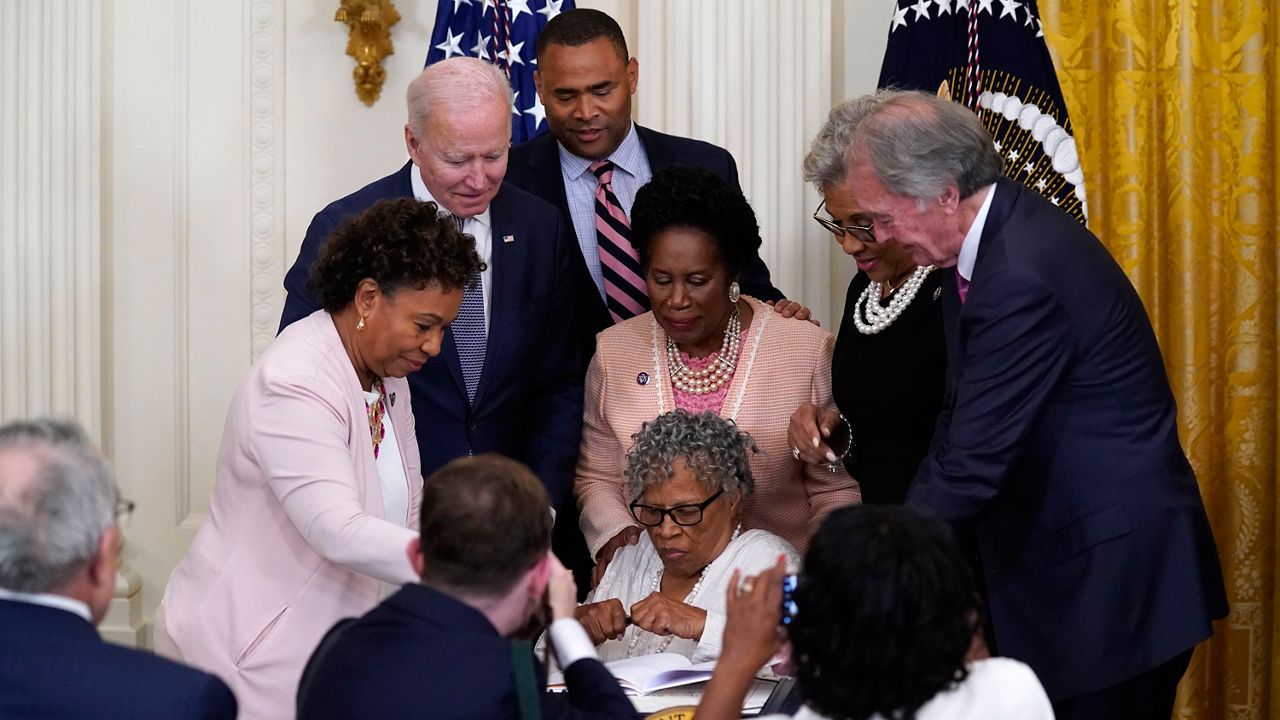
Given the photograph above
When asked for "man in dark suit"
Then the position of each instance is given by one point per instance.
(445, 649)
(1058, 450)
(508, 378)
(585, 80)
(59, 548)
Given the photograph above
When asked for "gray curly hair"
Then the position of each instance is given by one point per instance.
(712, 447)
(824, 166)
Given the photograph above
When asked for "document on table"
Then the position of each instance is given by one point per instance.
(757, 694)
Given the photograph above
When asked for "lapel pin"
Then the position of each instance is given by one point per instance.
(393, 399)
(642, 378)
(937, 293)
(508, 238)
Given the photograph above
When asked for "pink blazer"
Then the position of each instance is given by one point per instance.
(294, 539)
(782, 364)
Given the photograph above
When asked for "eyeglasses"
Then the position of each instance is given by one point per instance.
(683, 515)
(861, 233)
(124, 510)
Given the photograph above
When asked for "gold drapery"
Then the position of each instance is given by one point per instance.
(1176, 105)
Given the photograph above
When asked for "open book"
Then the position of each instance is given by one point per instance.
(650, 673)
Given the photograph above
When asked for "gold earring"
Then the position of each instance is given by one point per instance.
(360, 325)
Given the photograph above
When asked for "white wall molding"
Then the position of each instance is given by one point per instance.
(266, 132)
(50, 239)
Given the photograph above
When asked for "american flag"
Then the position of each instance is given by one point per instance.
(503, 32)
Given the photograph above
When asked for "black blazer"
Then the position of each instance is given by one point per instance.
(528, 405)
(423, 654)
(1058, 447)
(53, 665)
(535, 167)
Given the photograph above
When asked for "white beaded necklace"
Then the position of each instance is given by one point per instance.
(714, 376)
(656, 585)
(878, 318)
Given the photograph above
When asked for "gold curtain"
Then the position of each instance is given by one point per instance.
(1176, 110)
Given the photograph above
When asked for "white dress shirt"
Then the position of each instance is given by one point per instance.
(60, 602)
(969, 248)
(478, 227)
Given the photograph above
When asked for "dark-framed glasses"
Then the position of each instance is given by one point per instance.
(861, 233)
(685, 515)
(124, 510)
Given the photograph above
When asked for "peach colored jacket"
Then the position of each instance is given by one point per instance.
(783, 363)
(294, 539)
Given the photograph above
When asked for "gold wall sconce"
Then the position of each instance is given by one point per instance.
(369, 42)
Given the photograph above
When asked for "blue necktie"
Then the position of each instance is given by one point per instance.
(469, 332)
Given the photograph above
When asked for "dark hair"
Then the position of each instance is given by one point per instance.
(485, 521)
(580, 26)
(691, 197)
(887, 606)
(398, 243)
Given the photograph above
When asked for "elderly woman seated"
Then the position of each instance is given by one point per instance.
(687, 476)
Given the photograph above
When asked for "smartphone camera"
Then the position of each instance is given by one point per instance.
(788, 598)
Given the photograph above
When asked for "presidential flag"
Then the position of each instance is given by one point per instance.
(504, 32)
(993, 60)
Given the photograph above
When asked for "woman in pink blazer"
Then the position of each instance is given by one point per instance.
(317, 488)
(703, 347)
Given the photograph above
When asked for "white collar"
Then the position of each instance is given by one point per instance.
(60, 602)
(969, 249)
(423, 195)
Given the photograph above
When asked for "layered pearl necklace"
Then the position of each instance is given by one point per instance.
(714, 376)
(878, 318)
(656, 585)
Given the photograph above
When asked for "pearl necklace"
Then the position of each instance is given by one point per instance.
(878, 318)
(714, 376)
(656, 584)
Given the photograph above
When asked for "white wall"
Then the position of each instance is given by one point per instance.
(164, 157)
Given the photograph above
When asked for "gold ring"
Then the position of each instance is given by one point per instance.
(747, 587)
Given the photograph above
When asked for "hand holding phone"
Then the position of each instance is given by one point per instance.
(788, 598)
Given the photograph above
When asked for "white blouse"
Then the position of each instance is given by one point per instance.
(997, 688)
(629, 578)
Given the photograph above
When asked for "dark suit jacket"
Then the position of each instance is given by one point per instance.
(529, 402)
(535, 167)
(54, 665)
(423, 654)
(1059, 450)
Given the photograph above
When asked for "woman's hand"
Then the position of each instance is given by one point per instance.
(808, 430)
(791, 308)
(604, 620)
(753, 613)
(629, 535)
(750, 639)
(661, 615)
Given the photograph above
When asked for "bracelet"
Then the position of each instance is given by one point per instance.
(848, 448)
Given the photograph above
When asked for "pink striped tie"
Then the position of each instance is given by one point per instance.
(624, 289)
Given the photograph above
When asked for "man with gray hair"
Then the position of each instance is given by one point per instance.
(1057, 448)
(59, 547)
(508, 378)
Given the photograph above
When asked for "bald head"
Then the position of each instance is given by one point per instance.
(463, 84)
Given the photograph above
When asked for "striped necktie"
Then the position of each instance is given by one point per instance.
(469, 332)
(624, 290)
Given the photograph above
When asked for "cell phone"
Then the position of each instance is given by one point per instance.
(788, 598)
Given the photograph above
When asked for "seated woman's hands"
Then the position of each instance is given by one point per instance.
(604, 620)
(807, 431)
(661, 615)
